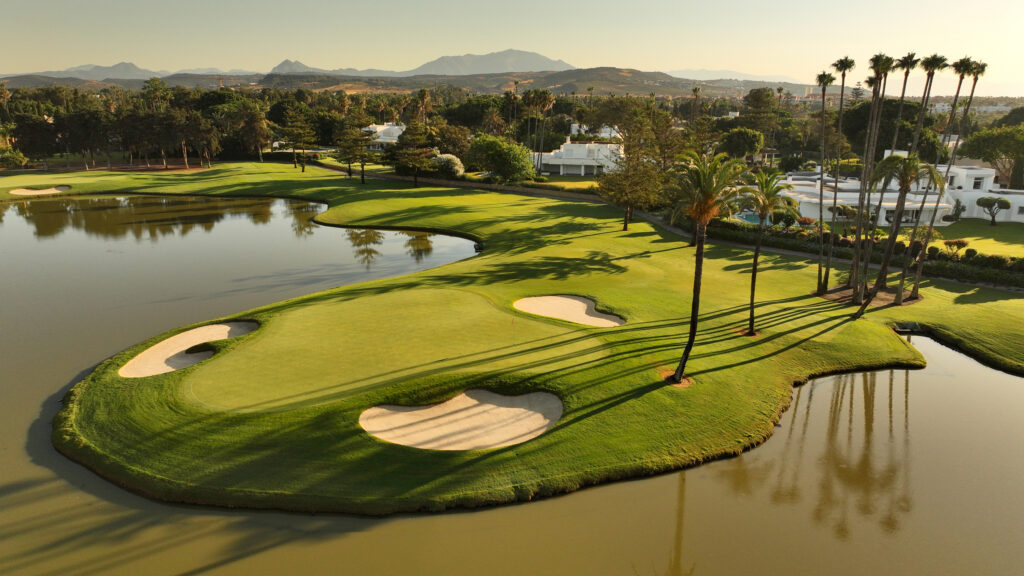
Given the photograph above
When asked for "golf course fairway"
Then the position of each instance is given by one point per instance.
(271, 420)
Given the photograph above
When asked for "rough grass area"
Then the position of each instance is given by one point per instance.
(271, 420)
(1004, 239)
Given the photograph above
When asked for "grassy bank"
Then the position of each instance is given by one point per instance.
(271, 421)
(1004, 239)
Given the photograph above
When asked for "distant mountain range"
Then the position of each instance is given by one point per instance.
(484, 73)
(467, 64)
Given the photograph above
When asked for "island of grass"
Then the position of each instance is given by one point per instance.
(271, 420)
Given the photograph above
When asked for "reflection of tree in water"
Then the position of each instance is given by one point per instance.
(143, 217)
(419, 245)
(862, 468)
(364, 242)
(302, 214)
(3, 210)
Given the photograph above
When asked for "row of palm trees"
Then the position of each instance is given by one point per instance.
(707, 185)
(877, 178)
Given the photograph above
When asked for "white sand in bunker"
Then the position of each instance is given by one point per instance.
(572, 308)
(170, 354)
(474, 419)
(42, 192)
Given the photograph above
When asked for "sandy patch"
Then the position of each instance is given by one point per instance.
(170, 354)
(474, 419)
(43, 192)
(572, 308)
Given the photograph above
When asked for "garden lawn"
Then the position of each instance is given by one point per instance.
(1004, 239)
(272, 419)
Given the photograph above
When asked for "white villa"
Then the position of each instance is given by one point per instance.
(385, 134)
(965, 183)
(581, 158)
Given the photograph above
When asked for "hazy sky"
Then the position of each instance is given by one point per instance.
(783, 38)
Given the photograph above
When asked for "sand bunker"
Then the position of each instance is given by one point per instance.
(31, 192)
(474, 419)
(572, 308)
(171, 354)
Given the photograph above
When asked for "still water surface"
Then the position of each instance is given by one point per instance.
(891, 472)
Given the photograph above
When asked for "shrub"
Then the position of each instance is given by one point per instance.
(933, 251)
(11, 158)
(509, 161)
(448, 166)
(955, 245)
(970, 253)
(806, 220)
(790, 163)
(899, 248)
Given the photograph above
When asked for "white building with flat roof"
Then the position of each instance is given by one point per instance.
(965, 184)
(384, 134)
(581, 158)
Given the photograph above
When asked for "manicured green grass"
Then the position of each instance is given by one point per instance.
(1005, 238)
(272, 419)
(573, 183)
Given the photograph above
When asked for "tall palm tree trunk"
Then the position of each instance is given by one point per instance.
(922, 112)
(914, 293)
(924, 201)
(753, 277)
(862, 202)
(871, 147)
(698, 271)
(184, 154)
(821, 202)
(899, 111)
(835, 186)
(890, 247)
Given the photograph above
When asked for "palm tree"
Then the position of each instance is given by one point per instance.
(842, 66)
(5, 97)
(977, 70)
(907, 64)
(423, 105)
(764, 198)
(931, 65)
(907, 171)
(705, 185)
(881, 65)
(545, 101)
(696, 102)
(963, 68)
(824, 80)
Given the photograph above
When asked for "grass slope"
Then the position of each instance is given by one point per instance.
(271, 420)
(1005, 238)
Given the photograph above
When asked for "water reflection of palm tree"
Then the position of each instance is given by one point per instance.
(788, 489)
(849, 466)
(856, 472)
(363, 243)
(419, 245)
(676, 564)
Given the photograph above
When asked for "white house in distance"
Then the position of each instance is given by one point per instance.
(581, 158)
(384, 134)
(965, 183)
